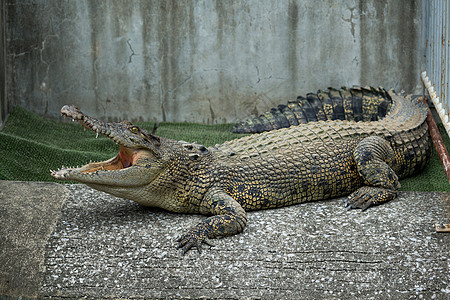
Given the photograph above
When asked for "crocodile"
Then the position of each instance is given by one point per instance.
(314, 161)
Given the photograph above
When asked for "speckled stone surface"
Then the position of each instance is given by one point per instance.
(105, 247)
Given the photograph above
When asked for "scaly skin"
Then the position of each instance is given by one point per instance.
(351, 104)
(314, 161)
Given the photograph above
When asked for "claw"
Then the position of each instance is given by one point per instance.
(367, 205)
(187, 245)
(366, 197)
(346, 202)
(194, 238)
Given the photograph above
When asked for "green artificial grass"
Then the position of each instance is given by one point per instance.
(31, 145)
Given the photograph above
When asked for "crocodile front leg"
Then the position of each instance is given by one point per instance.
(228, 218)
(374, 158)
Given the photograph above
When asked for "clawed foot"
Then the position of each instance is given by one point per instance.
(368, 196)
(195, 237)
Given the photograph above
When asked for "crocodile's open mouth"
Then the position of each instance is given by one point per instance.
(123, 169)
(124, 159)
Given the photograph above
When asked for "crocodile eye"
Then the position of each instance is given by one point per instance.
(134, 129)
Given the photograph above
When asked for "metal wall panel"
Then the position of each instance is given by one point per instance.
(436, 20)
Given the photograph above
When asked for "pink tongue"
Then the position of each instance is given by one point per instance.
(125, 159)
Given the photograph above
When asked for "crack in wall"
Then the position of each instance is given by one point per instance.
(257, 75)
(350, 20)
(132, 52)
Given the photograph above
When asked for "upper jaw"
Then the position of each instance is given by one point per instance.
(72, 111)
(107, 129)
(123, 133)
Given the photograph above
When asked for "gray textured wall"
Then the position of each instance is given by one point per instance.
(203, 61)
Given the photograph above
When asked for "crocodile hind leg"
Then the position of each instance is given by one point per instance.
(228, 218)
(374, 158)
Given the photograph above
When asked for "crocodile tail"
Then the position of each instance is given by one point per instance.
(355, 104)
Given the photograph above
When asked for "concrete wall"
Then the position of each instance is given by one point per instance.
(203, 61)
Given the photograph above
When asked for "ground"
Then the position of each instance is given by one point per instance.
(69, 241)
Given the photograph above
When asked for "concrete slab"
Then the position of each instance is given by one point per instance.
(105, 247)
(29, 212)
